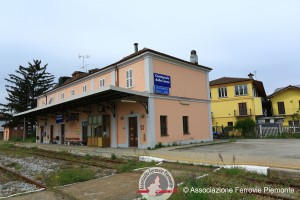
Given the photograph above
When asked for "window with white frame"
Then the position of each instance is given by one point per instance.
(51, 100)
(222, 92)
(129, 81)
(101, 82)
(241, 90)
(62, 96)
(84, 89)
(72, 92)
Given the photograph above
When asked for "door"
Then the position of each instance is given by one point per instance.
(243, 109)
(84, 132)
(62, 133)
(51, 134)
(133, 134)
(42, 134)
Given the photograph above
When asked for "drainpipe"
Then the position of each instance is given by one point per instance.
(117, 76)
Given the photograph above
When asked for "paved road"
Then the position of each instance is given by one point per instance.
(283, 153)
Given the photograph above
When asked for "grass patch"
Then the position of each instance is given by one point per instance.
(134, 164)
(68, 176)
(5, 146)
(15, 165)
(113, 156)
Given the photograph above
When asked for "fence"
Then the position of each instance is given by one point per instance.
(259, 131)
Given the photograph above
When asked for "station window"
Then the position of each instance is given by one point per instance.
(185, 123)
(51, 100)
(101, 82)
(129, 81)
(163, 125)
(73, 92)
(62, 96)
(84, 89)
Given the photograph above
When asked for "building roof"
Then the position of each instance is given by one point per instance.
(278, 90)
(227, 80)
(144, 50)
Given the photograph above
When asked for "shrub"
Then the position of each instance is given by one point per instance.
(245, 125)
(113, 156)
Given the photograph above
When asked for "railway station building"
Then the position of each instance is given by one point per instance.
(142, 100)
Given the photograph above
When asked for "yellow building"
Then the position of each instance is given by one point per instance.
(236, 98)
(286, 104)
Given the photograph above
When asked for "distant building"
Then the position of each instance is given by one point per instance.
(12, 130)
(237, 98)
(2, 122)
(286, 105)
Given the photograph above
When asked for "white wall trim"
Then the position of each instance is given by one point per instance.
(151, 128)
(113, 77)
(209, 106)
(157, 96)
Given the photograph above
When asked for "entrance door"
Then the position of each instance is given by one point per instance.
(84, 132)
(133, 134)
(42, 134)
(62, 133)
(51, 134)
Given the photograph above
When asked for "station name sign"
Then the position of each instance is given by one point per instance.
(162, 84)
(59, 119)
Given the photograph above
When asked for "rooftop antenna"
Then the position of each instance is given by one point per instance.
(255, 75)
(83, 57)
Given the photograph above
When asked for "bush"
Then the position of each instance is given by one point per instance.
(245, 125)
(113, 156)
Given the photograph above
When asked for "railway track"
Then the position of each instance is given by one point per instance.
(101, 162)
(24, 178)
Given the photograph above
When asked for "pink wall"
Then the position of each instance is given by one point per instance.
(184, 82)
(198, 120)
(138, 76)
(124, 109)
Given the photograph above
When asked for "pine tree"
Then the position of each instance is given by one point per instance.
(23, 88)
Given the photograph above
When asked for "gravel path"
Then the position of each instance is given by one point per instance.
(30, 167)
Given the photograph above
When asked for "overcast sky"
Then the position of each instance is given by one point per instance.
(234, 37)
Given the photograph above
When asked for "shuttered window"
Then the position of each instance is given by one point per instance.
(281, 109)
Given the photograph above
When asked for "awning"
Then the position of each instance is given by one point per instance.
(107, 94)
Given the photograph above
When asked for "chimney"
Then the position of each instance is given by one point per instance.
(250, 75)
(136, 47)
(194, 57)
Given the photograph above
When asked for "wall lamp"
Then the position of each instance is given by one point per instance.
(127, 101)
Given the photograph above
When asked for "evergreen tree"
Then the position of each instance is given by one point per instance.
(23, 88)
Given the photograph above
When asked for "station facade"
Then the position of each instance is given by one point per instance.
(144, 99)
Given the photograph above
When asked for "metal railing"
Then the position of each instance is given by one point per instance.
(242, 112)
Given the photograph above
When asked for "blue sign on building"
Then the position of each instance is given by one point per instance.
(162, 84)
(162, 80)
(59, 119)
(161, 90)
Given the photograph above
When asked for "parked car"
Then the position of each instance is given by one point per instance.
(217, 135)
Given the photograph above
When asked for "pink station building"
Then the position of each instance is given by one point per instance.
(142, 100)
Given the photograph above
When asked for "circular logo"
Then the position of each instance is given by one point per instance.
(156, 183)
